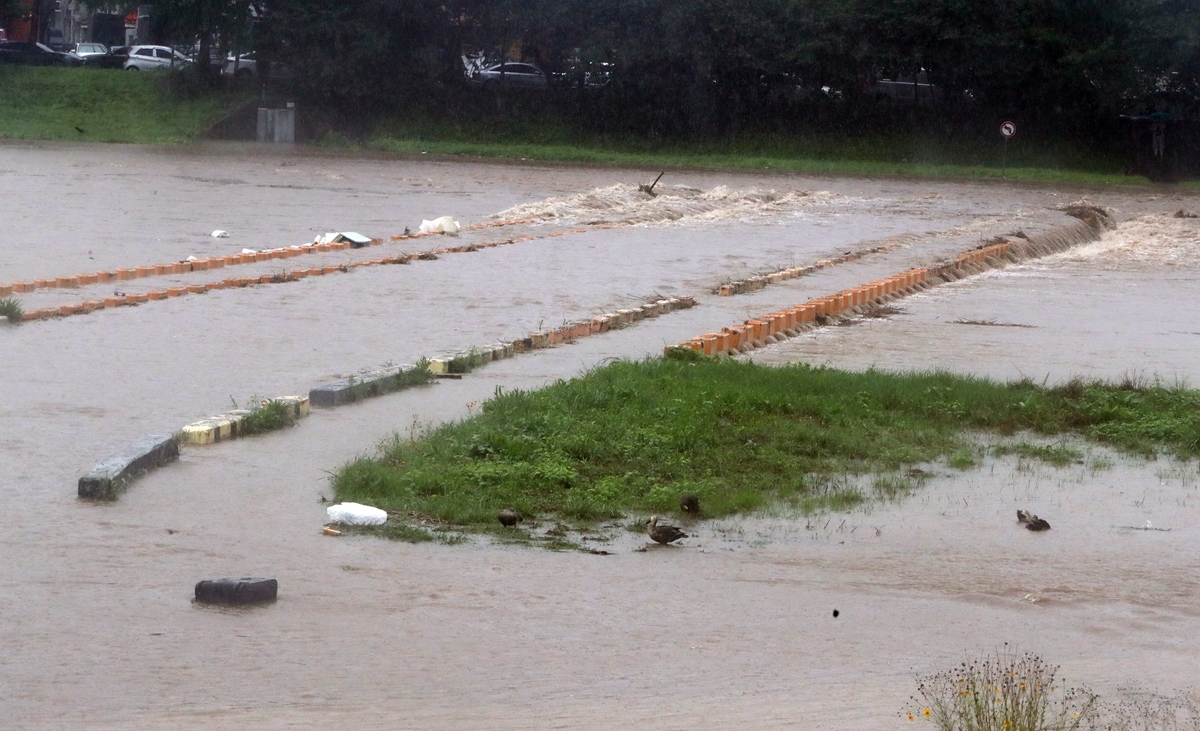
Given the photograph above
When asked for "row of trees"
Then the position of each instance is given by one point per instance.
(702, 66)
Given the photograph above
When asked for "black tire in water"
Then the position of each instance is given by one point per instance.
(237, 591)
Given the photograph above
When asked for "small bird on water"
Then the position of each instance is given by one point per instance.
(663, 534)
(508, 518)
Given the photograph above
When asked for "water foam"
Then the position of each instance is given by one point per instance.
(623, 204)
(1155, 240)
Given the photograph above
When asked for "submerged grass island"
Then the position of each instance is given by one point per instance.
(629, 438)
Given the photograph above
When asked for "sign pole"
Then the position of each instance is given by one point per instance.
(1008, 130)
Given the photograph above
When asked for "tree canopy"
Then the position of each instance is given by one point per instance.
(704, 66)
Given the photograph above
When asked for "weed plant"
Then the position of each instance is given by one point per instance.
(267, 416)
(1003, 692)
(11, 308)
(633, 436)
(1139, 711)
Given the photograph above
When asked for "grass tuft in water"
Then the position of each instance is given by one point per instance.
(1052, 454)
(267, 416)
(632, 437)
(11, 308)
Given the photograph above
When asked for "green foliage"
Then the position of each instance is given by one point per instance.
(102, 106)
(267, 416)
(633, 437)
(10, 307)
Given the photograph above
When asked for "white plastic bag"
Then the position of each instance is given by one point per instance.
(356, 514)
(443, 225)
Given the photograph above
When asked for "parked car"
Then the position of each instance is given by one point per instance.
(98, 56)
(86, 50)
(516, 75)
(241, 66)
(580, 74)
(151, 58)
(35, 54)
(247, 66)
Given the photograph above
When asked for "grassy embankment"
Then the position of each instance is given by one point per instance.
(631, 437)
(544, 138)
(95, 105)
(118, 106)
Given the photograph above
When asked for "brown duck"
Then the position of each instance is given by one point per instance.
(663, 534)
(1031, 521)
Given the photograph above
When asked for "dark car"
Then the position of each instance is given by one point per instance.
(35, 54)
(98, 56)
(519, 75)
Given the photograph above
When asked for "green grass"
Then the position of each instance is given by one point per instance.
(417, 375)
(47, 103)
(267, 416)
(545, 139)
(121, 106)
(10, 307)
(1055, 455)
(631, 437)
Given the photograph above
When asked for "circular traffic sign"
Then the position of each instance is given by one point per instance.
(1008, 129)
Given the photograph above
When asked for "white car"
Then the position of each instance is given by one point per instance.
(150, 58)
(246, 65)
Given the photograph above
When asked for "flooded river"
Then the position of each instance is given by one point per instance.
(735, 629)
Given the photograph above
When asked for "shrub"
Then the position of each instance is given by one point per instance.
(1002, 692)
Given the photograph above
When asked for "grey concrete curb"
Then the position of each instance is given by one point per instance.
(107, 477)
(355, 388)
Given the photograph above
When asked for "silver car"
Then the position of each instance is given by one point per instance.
(150, 58)
(516, 75)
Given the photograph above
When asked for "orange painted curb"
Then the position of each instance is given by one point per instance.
(155, 294)
(111, 302)
(171, 292)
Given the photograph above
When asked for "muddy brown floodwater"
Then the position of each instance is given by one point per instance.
(733, 629)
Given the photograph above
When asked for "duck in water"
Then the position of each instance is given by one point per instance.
(663, 534)
(1031, 521)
